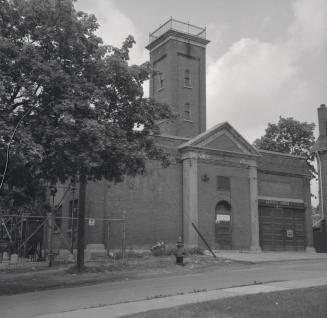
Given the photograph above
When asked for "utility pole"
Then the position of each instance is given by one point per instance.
(81, 222)
(53, 191)
(73, 217)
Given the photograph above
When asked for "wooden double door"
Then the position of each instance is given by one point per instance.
(282, 228)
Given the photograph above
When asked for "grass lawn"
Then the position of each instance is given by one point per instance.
(300, 303)
(20, 280)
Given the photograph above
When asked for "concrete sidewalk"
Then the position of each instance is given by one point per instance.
(77, 300)
(261, 257)
(120, 310)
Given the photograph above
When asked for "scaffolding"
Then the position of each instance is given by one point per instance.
(39, 238)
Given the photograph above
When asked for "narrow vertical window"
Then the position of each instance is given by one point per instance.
(187, 111)
(187, 78)
(160, 81)
(223, 183)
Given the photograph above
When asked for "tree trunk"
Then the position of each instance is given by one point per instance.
(81, 223)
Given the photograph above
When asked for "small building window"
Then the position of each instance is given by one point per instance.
(187, 78)
(223, 183)
(160, 81)
(187, 111)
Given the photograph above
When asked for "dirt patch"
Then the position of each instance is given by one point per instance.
(59, 276)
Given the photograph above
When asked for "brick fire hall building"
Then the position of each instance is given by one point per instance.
(239, 197)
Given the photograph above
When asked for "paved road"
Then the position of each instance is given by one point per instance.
(55, 301)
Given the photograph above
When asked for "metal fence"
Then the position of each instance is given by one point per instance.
(33, 238)
(21, 235)
(179, 26)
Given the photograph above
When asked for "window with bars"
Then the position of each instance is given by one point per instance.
(58, 218)
(73, 214)
(223, 183)
(187, 111)
(187, 78)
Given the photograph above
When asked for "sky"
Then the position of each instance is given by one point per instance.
(266, 58)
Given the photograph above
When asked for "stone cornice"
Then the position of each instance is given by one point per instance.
(219, 158)
(179, 36)
(281, 154)
(216, 152)
(171, 137)
(283, 173)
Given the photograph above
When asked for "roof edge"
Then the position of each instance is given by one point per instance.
(280, 154)
(199, 138)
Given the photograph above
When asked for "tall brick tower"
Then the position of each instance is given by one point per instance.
(320, 150)
(177, 55)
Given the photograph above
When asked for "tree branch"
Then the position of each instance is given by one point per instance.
(9, 144)
(24, 102)
(16, 91)
(4, 119)
(37, 88)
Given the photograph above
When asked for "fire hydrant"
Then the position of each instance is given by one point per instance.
(180, 251)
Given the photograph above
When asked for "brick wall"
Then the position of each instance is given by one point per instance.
(238, 198)
(153, 205)
(171, 59)
(271, 161)
(281, 176)
(287, 178)
(323, 158)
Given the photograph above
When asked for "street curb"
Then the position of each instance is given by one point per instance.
(248, 262)
(256, 257)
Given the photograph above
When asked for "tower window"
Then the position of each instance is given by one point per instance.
(160, 81)
(187, 111)
(187, 78)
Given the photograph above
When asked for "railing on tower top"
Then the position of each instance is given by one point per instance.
(179, 26)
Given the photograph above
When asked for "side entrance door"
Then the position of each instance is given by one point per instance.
(223, 225)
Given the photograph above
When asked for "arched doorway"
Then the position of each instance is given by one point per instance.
(223, 225)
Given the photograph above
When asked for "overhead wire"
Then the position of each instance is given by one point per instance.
(10, 142)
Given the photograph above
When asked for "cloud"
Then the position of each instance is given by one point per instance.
(256, 81)
(247, 79)
(308, 31)
(115, 26)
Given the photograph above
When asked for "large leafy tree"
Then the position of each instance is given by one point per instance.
(81, 100)
(289, 136)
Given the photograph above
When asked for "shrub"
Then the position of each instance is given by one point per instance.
(194, 251)
(128, 254)
(171, 250)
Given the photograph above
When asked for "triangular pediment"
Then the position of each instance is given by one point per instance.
(222, 137)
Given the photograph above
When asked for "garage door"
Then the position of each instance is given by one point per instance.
(282, 228)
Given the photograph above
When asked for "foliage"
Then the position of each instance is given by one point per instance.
(128, 254)
(289, 136)
(82, 99)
